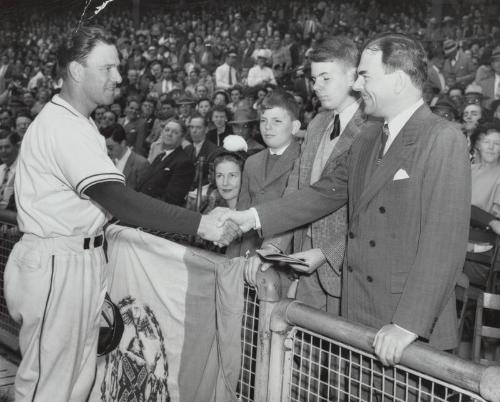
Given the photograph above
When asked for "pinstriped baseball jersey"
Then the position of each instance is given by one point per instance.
(57, 163)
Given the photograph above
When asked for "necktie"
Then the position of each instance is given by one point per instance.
(230, 76)
(336, 127)
(5, 177)
(383, 141)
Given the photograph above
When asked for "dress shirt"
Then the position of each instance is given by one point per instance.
(398, 122)
(222, 76)
(120, 163)
(257, 75)
(166, 153)
(197, 147)
(279, 151)
(7, 174)
(441, 78)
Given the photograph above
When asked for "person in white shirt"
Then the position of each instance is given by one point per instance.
(225, 74)
(260, 73)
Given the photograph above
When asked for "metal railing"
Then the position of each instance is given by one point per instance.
(318, 357)
(9, 235)
(292, 352)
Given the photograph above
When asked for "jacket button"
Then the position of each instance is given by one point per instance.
(369, 278)
(372, 243)
(349, 268)
(382, 210)
(351, 235)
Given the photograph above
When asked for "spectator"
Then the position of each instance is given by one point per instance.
(135, 127)
(225, 74)
(171, 174)
(130, 163)
(108, 119)
(260, 73)
(219, 118)
(23, 120)
(9, 149)
(490, 84)
(201, 147)
(457, 64)
(244, 124)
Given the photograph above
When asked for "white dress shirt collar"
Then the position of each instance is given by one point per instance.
(398, 122)
(279, 151)
(120, 163)
(345, 115)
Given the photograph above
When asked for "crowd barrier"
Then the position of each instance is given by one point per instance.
(293, 352)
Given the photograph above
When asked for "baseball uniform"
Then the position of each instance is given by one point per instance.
(55, 280)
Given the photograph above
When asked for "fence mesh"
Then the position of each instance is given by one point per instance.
(9, 235)
(321, 369)
(249, 334)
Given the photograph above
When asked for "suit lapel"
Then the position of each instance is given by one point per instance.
(352, 129)
(129, 165)
(398, 152)
(284, 163)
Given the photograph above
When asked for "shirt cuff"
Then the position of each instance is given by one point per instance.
(256, 218)
(404, 329)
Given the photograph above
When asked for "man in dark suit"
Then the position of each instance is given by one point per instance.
(131, 164)
(329, 136)
(201, 147)
(409, 204)
(170, 175)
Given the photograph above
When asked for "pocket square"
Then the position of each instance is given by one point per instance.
(400, 175)
(167, 169)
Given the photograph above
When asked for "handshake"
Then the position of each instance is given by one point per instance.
(223, 225)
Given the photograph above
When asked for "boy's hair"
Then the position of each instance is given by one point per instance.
(283, 99)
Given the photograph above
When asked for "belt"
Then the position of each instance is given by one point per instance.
(97, 241)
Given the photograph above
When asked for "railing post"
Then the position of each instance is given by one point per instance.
(268, 288)
(279, 330)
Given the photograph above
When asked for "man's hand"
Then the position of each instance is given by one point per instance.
(314, 259)
(252, 266)
(244, 219)
(495, 226)
(211, 230)
(390, 343)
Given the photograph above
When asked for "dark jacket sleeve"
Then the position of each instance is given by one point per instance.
(180, 182)
(141, 210)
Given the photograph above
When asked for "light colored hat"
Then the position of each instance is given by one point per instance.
(449, 46)
(261, 53)
(235, 143)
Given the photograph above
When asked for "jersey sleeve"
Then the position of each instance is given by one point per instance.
(80, 154)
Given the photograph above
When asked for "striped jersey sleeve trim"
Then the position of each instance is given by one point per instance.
(98, 178)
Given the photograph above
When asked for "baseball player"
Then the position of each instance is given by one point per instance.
(65, 187)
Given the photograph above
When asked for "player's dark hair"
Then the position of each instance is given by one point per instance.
(78, 47)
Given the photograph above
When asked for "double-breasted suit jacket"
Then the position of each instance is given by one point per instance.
(408, 225)
(168, 178)
(328, 233)
(257, 187)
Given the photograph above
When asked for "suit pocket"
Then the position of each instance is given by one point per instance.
(398, 281)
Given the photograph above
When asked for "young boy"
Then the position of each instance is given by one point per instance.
(265, 174)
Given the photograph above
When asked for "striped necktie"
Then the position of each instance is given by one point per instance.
(383, 141)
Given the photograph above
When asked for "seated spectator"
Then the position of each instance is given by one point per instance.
(171, 174)
(135, 127)
(219, 118)
(204, 107)
(220, 98)
(166, 111)
(260, 73)
(236, 95)
(485, 174)
(244, 124)
(130, 163)
(108, 119)
(9, 149)
(490, 84)
(225, 74)
(23, 120)
(201, 147)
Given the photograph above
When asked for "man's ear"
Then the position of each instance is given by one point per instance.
(75, 70)
(295, 126)
(401, 82)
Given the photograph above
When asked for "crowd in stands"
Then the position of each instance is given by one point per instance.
(196, 75)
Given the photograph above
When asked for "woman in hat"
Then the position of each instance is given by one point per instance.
(244, 124)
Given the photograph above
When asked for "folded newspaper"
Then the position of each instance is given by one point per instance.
(278, 257)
